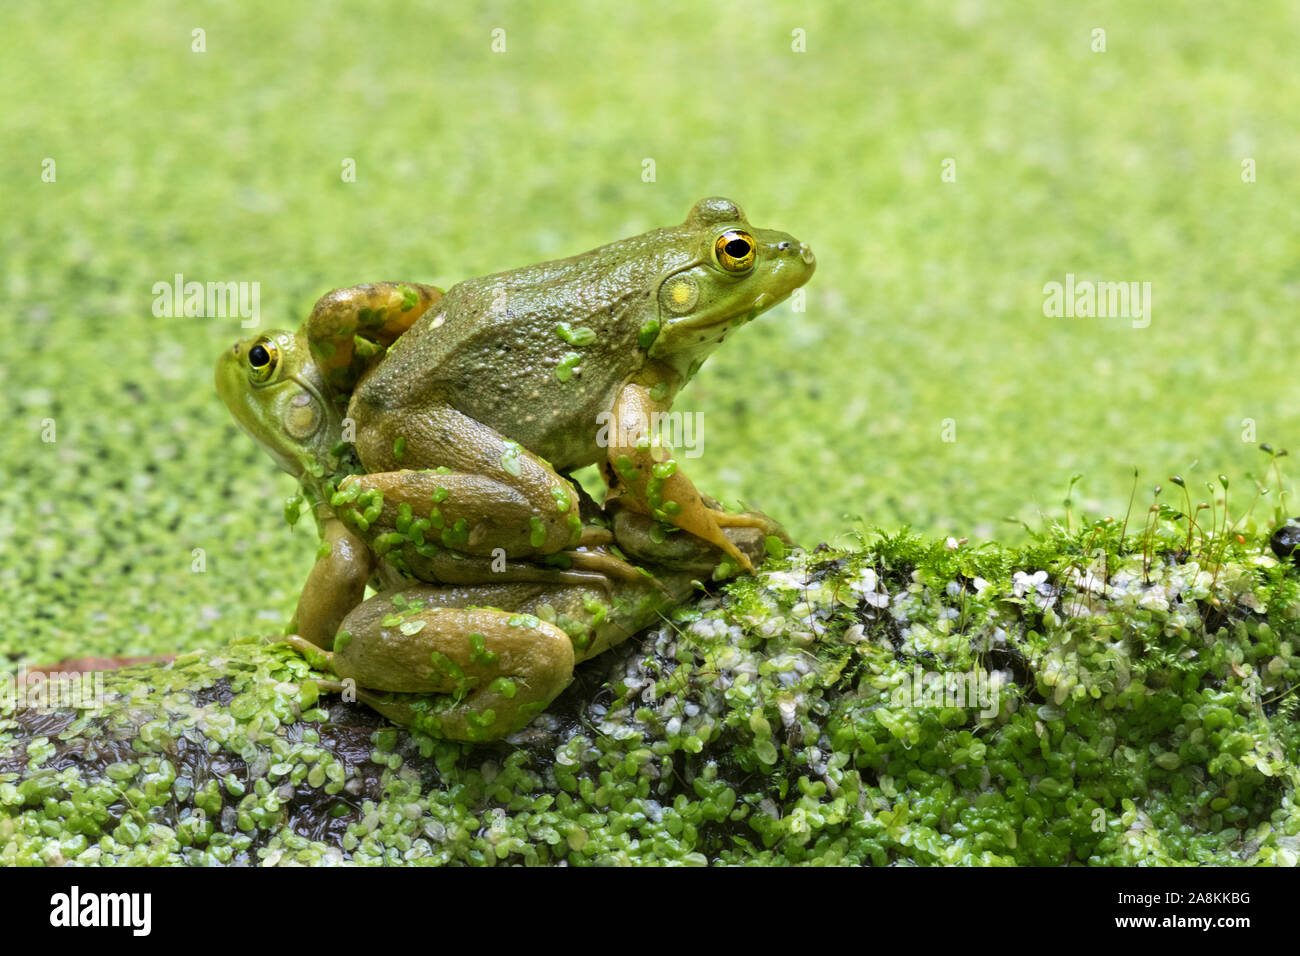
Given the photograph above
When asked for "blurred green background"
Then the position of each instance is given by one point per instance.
(225, 165)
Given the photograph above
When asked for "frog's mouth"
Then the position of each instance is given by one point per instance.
(762, 302)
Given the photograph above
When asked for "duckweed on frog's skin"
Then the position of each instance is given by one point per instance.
(513, 380)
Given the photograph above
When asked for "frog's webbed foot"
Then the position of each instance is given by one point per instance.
(316, 656)
(591, 554)
(706, 523)
(644, 540)
(751, 519)
(607, 566)
(604, 563)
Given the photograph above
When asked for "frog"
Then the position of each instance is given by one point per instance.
(480, 412)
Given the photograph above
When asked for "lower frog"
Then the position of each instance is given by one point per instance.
(478, 662)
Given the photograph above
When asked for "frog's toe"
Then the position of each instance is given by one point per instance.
(751, 519)
(316, 656)
(582, 578)
(703, 523)
(733, 552)
(594, 537)
(605, 564)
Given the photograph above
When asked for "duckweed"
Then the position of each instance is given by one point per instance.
(648, 333)
(579, 336)
(568, 366)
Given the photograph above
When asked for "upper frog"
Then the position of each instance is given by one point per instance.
(518, 375)
(537, 353)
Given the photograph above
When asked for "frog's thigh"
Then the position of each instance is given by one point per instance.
(502, 667)
(506, 496)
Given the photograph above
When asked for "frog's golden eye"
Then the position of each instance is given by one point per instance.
(262, 359)
(734, 251)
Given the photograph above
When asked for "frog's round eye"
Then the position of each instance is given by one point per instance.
(734, 251)
(262, 359)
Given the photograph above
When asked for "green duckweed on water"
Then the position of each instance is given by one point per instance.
(1107, 717)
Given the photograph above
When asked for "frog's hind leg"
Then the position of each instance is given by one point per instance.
(407, 519)
(494, 514)
(377, 313)
(497, 669)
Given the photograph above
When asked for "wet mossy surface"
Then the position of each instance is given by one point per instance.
(1136, 718)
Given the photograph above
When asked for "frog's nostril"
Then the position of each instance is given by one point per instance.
(783, 246)
(236, 348)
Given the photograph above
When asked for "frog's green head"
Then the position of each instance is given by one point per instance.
(278, 396)
(736, 273)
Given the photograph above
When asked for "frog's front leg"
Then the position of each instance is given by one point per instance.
(644, 476)
(494, 670)
(335, 585)
(377, 312)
